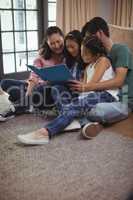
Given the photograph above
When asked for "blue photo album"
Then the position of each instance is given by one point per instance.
(54, 74)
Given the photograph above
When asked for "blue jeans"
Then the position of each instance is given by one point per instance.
(62, 96)
(77, 108)
(41, 96)
(14, 88)
(107, 112)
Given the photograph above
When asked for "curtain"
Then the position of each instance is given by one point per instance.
(123, 13)
(72, 14)
(131, 17)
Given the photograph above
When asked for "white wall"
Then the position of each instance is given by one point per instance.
(105, 9)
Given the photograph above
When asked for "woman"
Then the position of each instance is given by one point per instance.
(50, 53)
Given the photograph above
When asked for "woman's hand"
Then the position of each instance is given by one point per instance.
(33, 80)
(31, 85)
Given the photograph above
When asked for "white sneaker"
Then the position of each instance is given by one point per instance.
(9, 114)
(3, 119)
(75, 125)
(32, 139)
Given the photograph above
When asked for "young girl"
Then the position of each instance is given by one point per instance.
(72, 53)
(98, 69)
(61, 93)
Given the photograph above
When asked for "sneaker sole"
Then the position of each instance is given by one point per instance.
(4, 119)
(70, 130)
(93, 130)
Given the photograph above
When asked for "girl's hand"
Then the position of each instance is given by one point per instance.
(78, 86)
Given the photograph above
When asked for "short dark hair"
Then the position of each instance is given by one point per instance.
(94, 25)
(46, 51)
(74, 35)
(94, 44)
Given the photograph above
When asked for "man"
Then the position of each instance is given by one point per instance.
(122, 63)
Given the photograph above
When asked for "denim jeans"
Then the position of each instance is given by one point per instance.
(107, 112)
(62, 96)
(15, 88)
(41, 96)
(77, 108)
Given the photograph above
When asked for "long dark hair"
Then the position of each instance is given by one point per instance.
(45, 51)
(74, 35)
(95, 46)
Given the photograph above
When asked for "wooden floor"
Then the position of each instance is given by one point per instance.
(124, 127)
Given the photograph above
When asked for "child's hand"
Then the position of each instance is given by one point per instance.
(78, 86)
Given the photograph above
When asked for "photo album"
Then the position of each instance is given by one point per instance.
(54, 74)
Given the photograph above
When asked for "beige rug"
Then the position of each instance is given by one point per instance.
(68, 168)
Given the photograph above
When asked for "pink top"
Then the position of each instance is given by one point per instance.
(40, 62)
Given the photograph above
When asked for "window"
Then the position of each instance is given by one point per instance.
(22, 27)
(18, 34)
(51, 12)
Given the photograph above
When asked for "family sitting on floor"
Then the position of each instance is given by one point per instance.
(101, 92)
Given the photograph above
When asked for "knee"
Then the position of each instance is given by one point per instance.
(4, 84)
(70, 110)
(109, 112)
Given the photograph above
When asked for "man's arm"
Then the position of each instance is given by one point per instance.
(116, 82)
